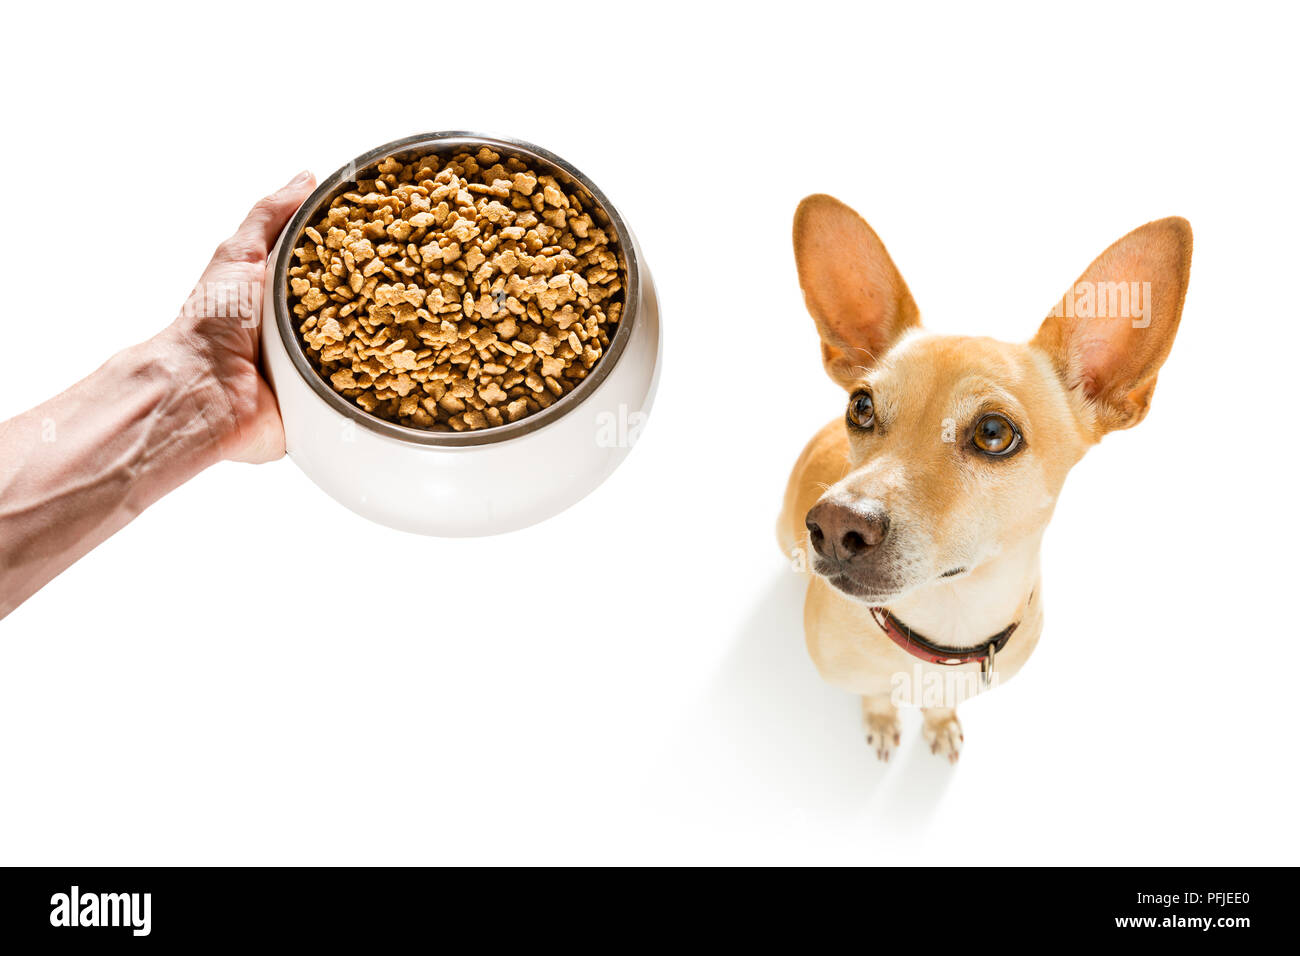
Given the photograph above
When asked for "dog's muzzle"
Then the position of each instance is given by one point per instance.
(847, 534)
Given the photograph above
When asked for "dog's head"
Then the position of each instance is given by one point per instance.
(958, 447)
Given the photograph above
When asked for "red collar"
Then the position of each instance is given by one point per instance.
(919, 646)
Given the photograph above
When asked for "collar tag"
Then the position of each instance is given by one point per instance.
(987, 664)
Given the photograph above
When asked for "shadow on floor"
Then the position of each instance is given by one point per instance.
(769, 722)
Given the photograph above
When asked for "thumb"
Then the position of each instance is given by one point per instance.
(252, 241)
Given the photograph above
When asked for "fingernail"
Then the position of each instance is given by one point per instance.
(301, 178)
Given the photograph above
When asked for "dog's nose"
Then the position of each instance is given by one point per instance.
(842, 532)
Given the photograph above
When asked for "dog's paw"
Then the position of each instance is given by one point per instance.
(944, 736)
(883, 733)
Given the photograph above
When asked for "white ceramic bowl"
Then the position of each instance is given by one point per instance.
(482, 482)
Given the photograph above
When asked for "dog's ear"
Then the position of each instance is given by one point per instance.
(1113, 330)
(850, 285)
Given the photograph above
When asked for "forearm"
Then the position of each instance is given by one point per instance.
(77, 468)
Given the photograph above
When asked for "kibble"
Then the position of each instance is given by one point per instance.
(456, 295)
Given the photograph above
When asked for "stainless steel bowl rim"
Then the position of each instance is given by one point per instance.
(328, 189)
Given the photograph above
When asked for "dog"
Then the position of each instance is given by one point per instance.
(919, 514)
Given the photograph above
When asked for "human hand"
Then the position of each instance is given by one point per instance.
(81, 465)
(217, 332)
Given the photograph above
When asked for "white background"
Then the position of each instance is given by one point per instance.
(251, 674)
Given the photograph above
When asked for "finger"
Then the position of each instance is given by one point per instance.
(252, 241)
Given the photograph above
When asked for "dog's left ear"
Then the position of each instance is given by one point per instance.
(1113, 330)
(851, 287)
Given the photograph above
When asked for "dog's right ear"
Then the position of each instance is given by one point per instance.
(1101, 350)
(851, 287)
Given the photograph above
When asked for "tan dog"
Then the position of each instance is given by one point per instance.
(920, 512)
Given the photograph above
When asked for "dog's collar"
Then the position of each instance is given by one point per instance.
(983, 653)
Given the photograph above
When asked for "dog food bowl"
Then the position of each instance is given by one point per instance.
(457, 484)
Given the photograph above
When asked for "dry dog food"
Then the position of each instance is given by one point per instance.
(456, 295)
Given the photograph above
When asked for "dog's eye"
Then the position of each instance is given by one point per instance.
(995, 435)
(862, 410)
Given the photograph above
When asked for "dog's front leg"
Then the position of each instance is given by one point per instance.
(880, 724)
(942, 731)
